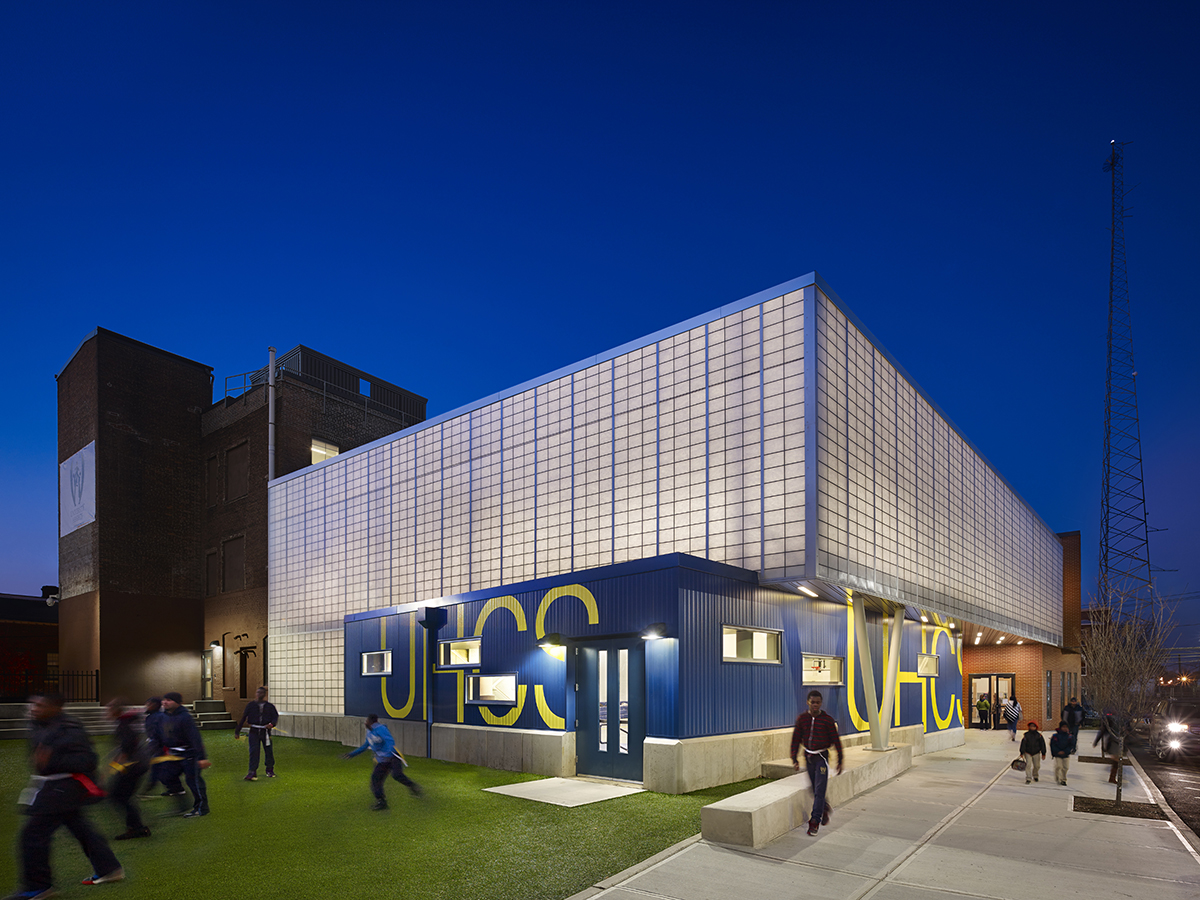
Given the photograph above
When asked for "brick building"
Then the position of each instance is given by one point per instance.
(163, 525)
(28, 644)
(1041, 676)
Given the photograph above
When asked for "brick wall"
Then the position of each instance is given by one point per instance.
(1028, 663)
(1072, 588)
(77, 407)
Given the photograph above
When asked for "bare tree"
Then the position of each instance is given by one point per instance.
(1124, 649)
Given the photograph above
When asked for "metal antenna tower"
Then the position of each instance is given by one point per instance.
(1124, 541)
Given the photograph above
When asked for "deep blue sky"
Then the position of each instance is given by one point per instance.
(457, 197)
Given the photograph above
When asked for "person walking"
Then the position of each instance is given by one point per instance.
(816, 731)
(1012, 715)
(181, 737)
(1062, 745)
(1033, 749)
(387, 760)
(261, 717)
(1073, 715)
(129, 765)
(984, 708)
(1108, 737)
(63, 764)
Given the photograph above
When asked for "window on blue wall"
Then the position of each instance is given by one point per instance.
(927, 664)
(377, 662)
(823, 669)
(749, 645)
(492, 689)
(459, 652)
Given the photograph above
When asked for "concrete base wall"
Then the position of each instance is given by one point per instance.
(510, 749)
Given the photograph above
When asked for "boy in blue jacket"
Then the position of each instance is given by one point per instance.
(387, 760)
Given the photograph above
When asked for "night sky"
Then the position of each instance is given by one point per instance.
(458, 197)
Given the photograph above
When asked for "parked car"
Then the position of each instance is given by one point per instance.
(1175, 729)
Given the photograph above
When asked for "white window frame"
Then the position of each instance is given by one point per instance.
(807, 669)
(387, 663)
(753, 630)
(924, 658)
(470, 681)
(444, 646)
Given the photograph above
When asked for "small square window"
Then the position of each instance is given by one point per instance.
(927, 664)
(499, 690)
(460, 652)
(377, 662)
(823, 669)
(749, 645)
(323, 450)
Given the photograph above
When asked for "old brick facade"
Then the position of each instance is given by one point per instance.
(177, 555)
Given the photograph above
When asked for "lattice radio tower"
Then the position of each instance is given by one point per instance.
(1124, 539)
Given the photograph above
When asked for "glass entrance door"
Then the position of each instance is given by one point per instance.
(610, 709)
(997, 687)
(206, 675)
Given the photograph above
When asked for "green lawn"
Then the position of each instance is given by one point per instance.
(311, 833)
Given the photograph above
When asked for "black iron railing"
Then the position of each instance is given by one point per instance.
(76, 687)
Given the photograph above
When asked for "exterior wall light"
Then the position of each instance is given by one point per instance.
(807, 590)
(924, 618)
(655, 631)
(554, 639)
(214, 643)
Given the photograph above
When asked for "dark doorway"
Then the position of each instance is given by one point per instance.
(610, 708)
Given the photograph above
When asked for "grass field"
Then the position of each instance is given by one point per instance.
(311, 833)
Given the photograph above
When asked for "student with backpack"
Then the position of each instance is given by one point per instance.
(1012, 715)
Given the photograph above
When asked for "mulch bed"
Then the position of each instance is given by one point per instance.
(1112, 808)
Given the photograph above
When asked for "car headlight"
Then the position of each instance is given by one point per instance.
(1174, 745)
(1176, 727)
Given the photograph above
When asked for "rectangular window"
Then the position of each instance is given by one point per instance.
(212, 574)
(237, 472)
(323, 450)
(823, 669)
(212, 482)
(749, 645)
(500, 690)
(234, 569)
(377, 662)
(927, 664)
(460, 652)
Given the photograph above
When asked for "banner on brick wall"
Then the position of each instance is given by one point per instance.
(77, 490)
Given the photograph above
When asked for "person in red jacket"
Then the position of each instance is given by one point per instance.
(816, 732)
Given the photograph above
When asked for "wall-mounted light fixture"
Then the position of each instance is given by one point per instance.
(214, 643)
(554, 639)
(655, 631)
(807, 590)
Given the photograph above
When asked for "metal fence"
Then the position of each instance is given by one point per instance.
(76, 687)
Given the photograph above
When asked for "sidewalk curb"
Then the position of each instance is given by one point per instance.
(1189, 837)
(637, 868)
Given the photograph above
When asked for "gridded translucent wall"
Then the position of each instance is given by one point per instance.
(692, 442)
(908, 510)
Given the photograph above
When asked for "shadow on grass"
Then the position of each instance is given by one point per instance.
(310, 833)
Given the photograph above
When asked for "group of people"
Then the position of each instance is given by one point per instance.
(1063, 744)
(1009, 712)
(166, 744)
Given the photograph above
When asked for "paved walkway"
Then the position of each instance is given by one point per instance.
(959, 823)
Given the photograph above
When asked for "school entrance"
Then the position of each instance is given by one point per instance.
(996, 687)
(610, 708)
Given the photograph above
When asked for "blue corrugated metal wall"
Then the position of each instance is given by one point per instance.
(690, 691)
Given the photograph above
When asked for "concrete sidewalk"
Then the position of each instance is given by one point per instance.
(959, 822)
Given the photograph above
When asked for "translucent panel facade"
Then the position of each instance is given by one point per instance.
(693, 440)
(689, 441)
(908, 510)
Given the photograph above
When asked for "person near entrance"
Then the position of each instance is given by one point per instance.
(387, 760)
(815, 732)
(64, 763)
(1033, 750)
(260, 717)
(1012, 715)
(984, 707)
(1073, 716)
(181, 738)
(1062, 745)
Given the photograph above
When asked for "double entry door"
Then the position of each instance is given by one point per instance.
(996, 687)
(610, 708)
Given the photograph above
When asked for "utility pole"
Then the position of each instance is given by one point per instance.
(1124, 541)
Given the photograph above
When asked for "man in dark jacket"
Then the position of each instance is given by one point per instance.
(1073, 716)
(181, 738)
(1062, 745)
(261, 717)
(816, 731)
(1033, 749)
(63, 763)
